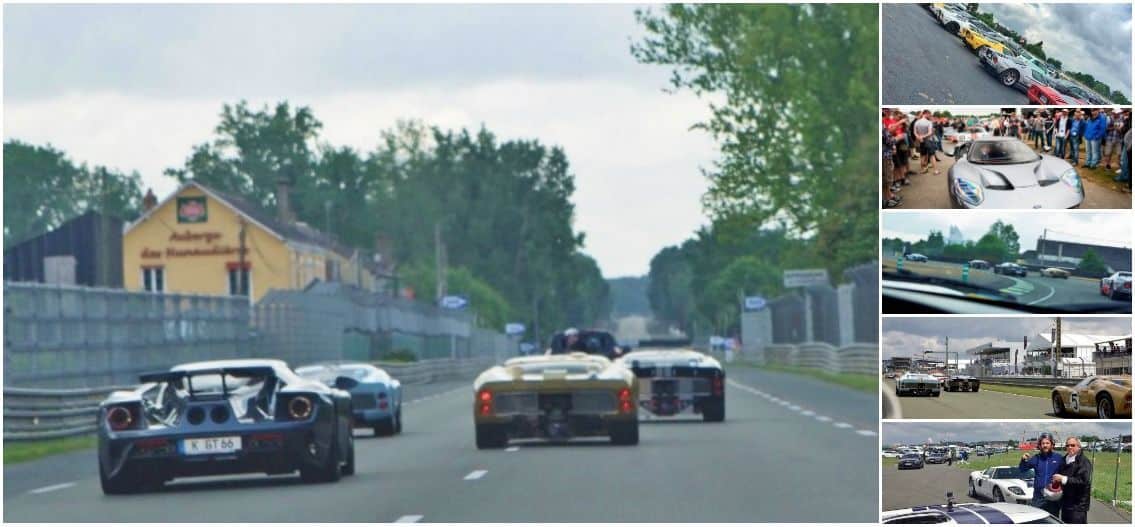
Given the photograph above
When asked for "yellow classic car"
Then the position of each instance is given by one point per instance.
(1101, 396)
(555, 397)
(977, 40)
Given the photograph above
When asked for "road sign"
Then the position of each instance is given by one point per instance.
(453, 302)
(513, 328)
(755, 303)
(805, 277)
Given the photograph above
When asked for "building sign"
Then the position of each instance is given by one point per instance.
(514, 328)
(805, 277)
(755, 303)
(453, 302)
(208, 237)
(192, 210)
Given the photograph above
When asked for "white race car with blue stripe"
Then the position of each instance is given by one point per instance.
(970, 513)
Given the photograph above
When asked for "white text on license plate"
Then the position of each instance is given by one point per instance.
(210, 445)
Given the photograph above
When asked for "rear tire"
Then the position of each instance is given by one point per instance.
(398, 421)
(713, 412)
(1009, 78)
(624, 433)
(491, 437)
(328, 472)
(953, 28)
(349, 466)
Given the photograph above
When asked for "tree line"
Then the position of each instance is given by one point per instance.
(500, 211)
(796, 182)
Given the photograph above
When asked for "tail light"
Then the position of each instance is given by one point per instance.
(299, 407)
(266, 440)
(626, 405)
(120, 418)
(484, 402)
(718, 385)
(382, 403)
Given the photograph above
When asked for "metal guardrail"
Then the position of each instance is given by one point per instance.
(35, 413)
(1042, 382)
(862, 358)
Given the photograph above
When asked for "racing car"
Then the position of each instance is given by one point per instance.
(376, 397)
(675, 382)
(1116, 286)
(223, 417)
(969, 513)
(1101, 396)
(962, 383)
(913, 383)
(1003, 483)
(555, 397)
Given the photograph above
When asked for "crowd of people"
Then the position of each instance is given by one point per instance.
(1104, 136)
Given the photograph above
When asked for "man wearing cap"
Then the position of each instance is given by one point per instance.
(1075, 478)
(1045, 464)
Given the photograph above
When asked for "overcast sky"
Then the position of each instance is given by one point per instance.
(134, 87)
(973, 431)
(906, 337)
(1103, 228)
(1089, 38)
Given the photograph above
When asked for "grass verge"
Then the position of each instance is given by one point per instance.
(863, 383)
(1105, 467)
(1031, 391)
(19, 452)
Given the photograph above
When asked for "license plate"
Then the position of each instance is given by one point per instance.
(210, 445)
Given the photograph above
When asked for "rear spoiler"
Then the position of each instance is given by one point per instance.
(665, 343)
(174, 376)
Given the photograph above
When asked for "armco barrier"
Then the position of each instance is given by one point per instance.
(1042, 382)
(36, 414)
(854, 358)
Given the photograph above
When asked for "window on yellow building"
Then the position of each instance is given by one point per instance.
(240, 280)
(153, 279)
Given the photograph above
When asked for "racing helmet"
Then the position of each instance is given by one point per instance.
(1053, 491)
(571, 331)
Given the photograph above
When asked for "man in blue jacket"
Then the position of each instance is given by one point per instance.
(1096, 130)
(1045, 464)
(1075, 135)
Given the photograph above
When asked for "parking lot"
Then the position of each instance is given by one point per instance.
(928, 486)
(925, 64)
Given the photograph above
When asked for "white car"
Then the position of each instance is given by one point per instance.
(890, 454)
(677, 382)
(954, 20)
(912, 383)
(969, 513)
(1002, 484)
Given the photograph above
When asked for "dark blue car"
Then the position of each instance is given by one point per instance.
(223, 417)
(376, 396)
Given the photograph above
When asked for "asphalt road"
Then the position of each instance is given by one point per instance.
(928, 486)
(1034, 290)
(925, 64)
(763, 464)
(928, 191)
(984, 404)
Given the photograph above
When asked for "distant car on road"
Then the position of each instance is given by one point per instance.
(1003, 484)
(910, 461)
(1100, 396)
(1055, 272)
(1010, 269)
(918, 384)
(673, 382)
(1116, 286)
(223, 417)
(915, 257)
(979, 264)
(376, 397)
(962, 383)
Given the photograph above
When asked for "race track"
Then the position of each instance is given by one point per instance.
(761, 465)
(984, 404)
(928, 486)
(1033, 290)
(925, 64)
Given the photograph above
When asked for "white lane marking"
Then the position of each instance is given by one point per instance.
(476, 474)
(52, 488)
(409, 518)
(823, 418)
(842, 425)
(868, 433)
(807, 413)
(1052, 292)
(512, 449)
(796, 408)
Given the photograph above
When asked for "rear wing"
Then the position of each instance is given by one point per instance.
(187, 375)
(665, 343)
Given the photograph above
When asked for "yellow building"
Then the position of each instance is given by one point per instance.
(191, 242)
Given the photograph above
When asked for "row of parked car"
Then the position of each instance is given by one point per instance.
(1013, 65)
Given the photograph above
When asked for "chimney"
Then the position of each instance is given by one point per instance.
(149, 201)
(283, 202)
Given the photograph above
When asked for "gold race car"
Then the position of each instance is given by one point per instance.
(555, 397)
(1101, 396)
(1055, 272)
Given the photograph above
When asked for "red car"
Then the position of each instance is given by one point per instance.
(1048, 96)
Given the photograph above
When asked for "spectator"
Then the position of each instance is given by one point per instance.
(923, 131)
(1045, 464)
(1075, 477)
(1094, 133)
(1060, 133)
(939, 131)
(899, 129)
(1075, 134)
(1047, 126)
(1013, 128)
(1125, 158)
(890, 198)
(1113, 140)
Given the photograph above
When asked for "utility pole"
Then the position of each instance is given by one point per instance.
(439, 262)
(240, 274)
(1058, 349)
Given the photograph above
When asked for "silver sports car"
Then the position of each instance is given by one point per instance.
(1004, 173)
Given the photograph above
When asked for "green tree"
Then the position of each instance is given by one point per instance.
(1092, 265)
(787, 155)
(1008, 237)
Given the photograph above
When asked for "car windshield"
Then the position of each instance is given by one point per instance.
(1013, 473)
(1001, 153)
(911, 456)
(975, 130)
